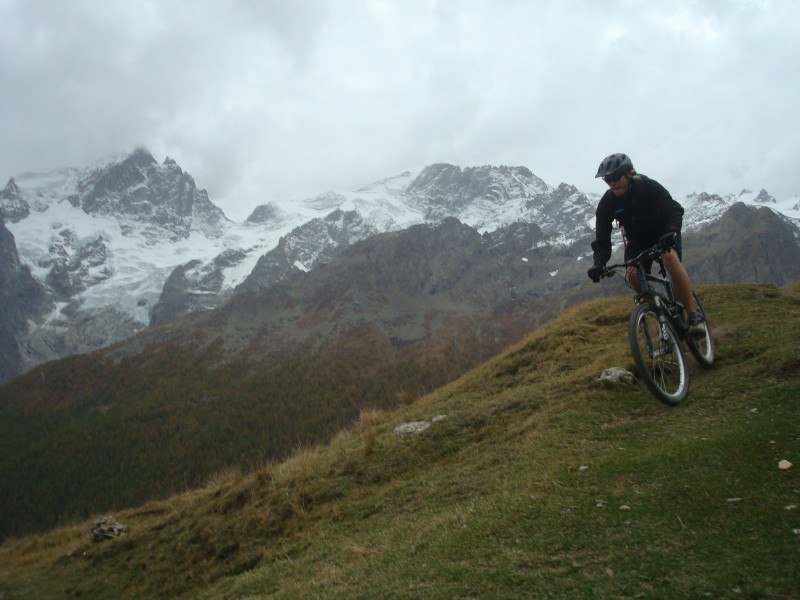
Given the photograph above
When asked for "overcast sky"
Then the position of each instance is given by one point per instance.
(264, 100)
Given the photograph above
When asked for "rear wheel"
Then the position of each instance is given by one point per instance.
(658, 355)
(702, 346)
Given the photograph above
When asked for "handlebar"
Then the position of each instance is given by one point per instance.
(652, 253)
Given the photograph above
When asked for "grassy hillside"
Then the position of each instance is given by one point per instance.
(536, 482)
(94, 431)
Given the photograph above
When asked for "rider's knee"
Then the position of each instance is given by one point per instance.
(670, 259)
(633, 279)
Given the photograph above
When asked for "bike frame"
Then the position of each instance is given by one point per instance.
(656, 289)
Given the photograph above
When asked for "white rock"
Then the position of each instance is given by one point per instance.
(617, 375)
(784, 465)
(412, 427)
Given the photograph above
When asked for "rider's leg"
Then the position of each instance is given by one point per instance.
(680, 279)
(633, 279)
(632, 249)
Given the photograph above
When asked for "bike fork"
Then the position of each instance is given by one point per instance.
(663, 333)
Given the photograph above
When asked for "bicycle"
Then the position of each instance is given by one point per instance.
(658, 325)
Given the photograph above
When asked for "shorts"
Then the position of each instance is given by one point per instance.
(634, 247)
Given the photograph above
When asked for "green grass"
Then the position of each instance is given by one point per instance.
(538, 483)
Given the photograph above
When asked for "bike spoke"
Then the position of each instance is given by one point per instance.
(658, 355)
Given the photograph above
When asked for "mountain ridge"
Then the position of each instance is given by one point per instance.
(128, 243)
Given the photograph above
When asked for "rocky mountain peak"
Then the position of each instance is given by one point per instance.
(12, 205)
(708, 198)
(485, 197)
(117, 177)
(161, 196)
(266, 214)
(447, 189)
(765, 198)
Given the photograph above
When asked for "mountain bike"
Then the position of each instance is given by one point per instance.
(658, 325)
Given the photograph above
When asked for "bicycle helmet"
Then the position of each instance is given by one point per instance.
(614, 164)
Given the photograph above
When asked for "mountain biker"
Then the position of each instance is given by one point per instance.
(647, 216)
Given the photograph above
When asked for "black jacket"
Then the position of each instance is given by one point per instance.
(647, 211)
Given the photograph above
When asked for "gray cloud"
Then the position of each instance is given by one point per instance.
(277, 100)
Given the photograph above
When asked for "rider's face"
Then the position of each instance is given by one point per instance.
(619, 187)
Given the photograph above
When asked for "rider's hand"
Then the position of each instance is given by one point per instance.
(596, 272)
(668, 241)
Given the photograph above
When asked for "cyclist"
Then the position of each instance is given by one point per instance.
(647, 215)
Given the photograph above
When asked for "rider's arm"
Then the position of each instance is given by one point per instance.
(601, 246)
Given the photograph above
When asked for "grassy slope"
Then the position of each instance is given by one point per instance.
(538, 483)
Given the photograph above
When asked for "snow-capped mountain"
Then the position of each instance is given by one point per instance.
(128, 242)
(703, 209)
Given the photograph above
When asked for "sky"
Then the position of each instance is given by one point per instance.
(275, 100)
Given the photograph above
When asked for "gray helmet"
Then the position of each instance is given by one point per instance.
(614, 164)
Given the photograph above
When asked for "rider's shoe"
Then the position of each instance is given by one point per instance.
(697, 328)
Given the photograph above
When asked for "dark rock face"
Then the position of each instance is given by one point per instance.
(306, 247)
(13, 206)
(76, 265)
(414, 286)
(194, 286)
(423, 259)
(746, 245)
(21, 298)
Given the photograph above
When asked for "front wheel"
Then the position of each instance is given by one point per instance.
(658, 355)
(702, 346)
